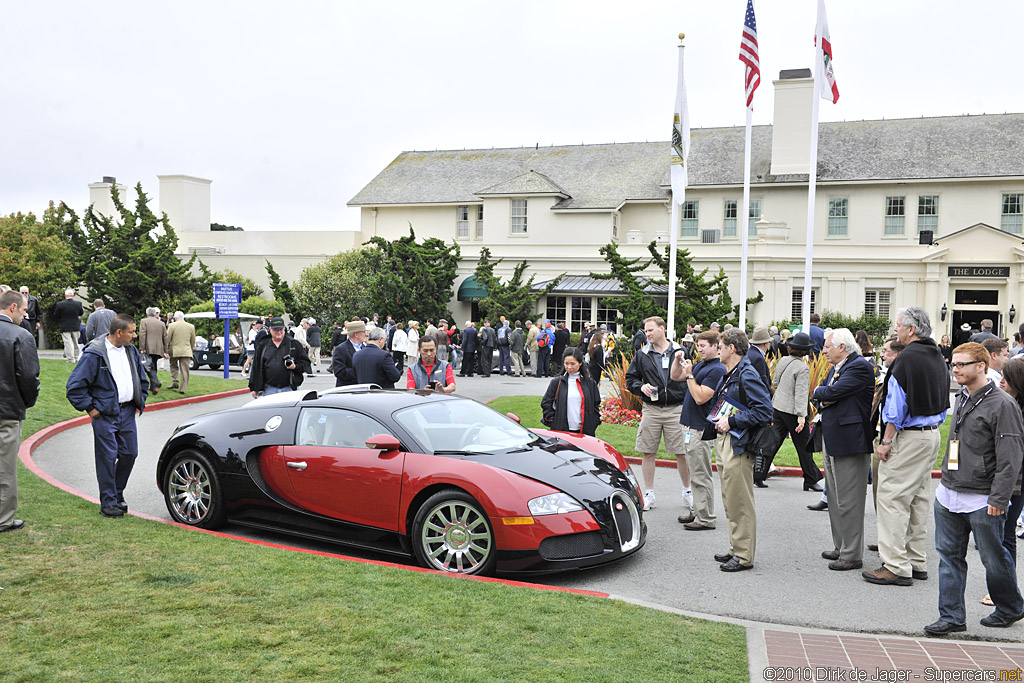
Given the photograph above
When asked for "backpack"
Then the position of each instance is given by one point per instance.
(542, 339)
(502, 336)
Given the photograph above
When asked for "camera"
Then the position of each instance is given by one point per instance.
(288, 359)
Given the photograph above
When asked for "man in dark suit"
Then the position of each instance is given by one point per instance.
(759, 343)
(68, 314)
(487, 339)
(341, 359)
(561, 343)
(845, 404)
(469, 346)
(374, 365)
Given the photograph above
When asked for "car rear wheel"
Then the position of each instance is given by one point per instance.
(192, 491)
(215, 367)
(193, 365)
(451, 533)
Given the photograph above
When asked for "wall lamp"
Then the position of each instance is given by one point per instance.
(1013, 313)
(945, 310)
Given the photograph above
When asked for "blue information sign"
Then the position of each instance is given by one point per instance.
(226, 298)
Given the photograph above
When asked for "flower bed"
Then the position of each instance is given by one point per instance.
(613, 412)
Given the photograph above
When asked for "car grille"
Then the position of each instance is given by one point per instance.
(571, 546)
(627, 520)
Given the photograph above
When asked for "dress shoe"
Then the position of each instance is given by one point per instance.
(697, 526)
(942, 628)
(760, 484)
(873, 547)
(154, 390)
(734, 565)
(845, 565)
(123, 505)
(812, 487)
(111, 511)
(687, 519)
(723, 558)
(919, 574)
(996, 620)
(13, 526)
(819, 506)
(830, 554)
(883, 577)
(181, 392)
(174, 386)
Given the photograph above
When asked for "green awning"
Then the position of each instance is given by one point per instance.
(471, 290)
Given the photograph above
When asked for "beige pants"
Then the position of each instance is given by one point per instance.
(905, 500)
(737, 474)
(180, 367)
(10, 441)
(314, 357)
(698, 460)
(70, 340)
(517, 365)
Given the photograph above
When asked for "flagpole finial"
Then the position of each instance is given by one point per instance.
(681, 36)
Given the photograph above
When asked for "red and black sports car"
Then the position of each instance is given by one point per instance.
(446, 479)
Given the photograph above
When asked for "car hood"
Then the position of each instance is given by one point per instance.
(586, 477)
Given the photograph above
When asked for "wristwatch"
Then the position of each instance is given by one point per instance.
(688, 378)
(883, 442)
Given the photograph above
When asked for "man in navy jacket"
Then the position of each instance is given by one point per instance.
(844, 400)
(373, 364)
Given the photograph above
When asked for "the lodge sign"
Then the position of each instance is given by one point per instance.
(978, 271)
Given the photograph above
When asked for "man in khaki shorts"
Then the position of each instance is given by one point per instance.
(648, 377)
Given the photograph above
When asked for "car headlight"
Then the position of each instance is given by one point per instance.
(631, 477)
(554, 504)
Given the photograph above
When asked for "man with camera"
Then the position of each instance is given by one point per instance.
(430, 373)
(280, 363)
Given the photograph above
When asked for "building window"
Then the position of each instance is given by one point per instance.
(480, 221)
(895, 216)
(1013, 213)
(581, 312)
(556, 309)
(729, 219)
(878, 302)
(518, 216)
(462, 222)
(689, 218)
(796, 310)
(928, 213)
(838, 217)
(607, 317)
(754, 217)
(615, 225)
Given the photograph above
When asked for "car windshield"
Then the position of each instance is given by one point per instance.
(462, 425)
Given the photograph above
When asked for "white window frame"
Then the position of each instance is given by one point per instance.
(1011, 222)
(615, 225)
(462, 222)
(878, 302)
(928, 221)
(838, 218)
(518, 216)
(796, 304)
(895, 216)
(479, 222)
(689, 219)
(730, 223)
(754, 213)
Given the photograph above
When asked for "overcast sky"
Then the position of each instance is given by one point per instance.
(292, 107)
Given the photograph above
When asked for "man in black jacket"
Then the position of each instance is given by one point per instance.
(68, 314)
(280, 363)
(561, 343)
(488, 340)
(341, 360)
(374, 365)
(33, 319)
(469, 345)
(19, 388)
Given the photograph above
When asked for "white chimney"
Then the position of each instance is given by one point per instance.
(99, 197)
(791, 127)
(186, 201)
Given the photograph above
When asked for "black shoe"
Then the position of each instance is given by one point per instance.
(13, 526)
(760, 484)
(919, 574)
(819, 506)
(995, 620)
(942, 628)
(124, 506)
(723, 558)
(812, 487)
(111, 511)
(845, 565)
(734, 565)
(830, 554)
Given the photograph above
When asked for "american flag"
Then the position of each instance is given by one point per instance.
(748, 53)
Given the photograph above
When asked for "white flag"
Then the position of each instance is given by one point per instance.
(680, 137)
(827, 85)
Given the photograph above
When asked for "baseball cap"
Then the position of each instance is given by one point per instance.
(276, 322)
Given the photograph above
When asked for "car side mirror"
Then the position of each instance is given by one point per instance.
(383, 442)
(514, 418)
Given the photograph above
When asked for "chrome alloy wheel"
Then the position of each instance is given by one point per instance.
(189, 490)
(456, 537)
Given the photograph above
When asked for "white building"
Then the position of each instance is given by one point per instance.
(883, 186)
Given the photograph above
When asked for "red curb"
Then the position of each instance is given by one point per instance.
(29, 445)
(783, 471)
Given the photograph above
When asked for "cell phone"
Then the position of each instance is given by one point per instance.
(438, 386)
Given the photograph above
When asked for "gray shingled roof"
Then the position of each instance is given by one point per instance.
(603, 176)
(530, 182)
(584, 284)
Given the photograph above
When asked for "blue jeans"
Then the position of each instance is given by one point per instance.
(504, 360)
(1010, 528)
(116, 445)
(270, 391)
(952, 531)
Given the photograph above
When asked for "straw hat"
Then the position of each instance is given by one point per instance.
(355, 326)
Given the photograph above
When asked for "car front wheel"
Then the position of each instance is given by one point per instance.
(192, 491)
(451, 533)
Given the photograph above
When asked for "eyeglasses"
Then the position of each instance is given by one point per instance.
(963, 365)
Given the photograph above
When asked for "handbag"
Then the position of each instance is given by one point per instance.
(763, 444)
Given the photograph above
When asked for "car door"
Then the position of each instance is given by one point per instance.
(333, 473)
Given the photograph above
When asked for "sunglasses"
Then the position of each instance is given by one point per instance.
(963, 365)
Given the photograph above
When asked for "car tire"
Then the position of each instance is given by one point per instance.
(194, 365)
(214, 367)
(192, 491)
(451, 533)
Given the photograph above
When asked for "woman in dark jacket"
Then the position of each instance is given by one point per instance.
(572, 402)
(596, 353)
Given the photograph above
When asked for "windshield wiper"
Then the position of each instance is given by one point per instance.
(454, 452)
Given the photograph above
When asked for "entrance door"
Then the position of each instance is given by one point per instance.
(973, 320)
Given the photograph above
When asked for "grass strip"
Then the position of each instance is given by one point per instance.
(87, 598)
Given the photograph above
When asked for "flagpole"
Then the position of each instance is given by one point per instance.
(745, 221)
(673, 240)
(812, 179)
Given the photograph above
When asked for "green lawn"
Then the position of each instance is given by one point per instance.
(623, 438)
(88, 598)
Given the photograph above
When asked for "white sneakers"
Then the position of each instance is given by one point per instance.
(688, 499)
(648, 499)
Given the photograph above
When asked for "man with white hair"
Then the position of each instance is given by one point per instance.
(181, 342)
(69, 320)
(299, 335)
(844, 400)
(314, 337)
(153, 345)
(916, 401)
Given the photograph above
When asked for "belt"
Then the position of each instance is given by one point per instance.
(921, 429)
(126, 403)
